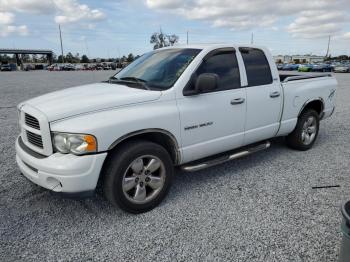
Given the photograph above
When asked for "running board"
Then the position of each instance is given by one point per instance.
(208, 162)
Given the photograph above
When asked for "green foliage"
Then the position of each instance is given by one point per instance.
(130, 58)
(84, 59)
(160, 40)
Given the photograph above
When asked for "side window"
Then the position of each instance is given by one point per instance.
(225, 65)
(257, 67)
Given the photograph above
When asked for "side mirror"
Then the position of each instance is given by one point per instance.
(206, 82)
(203, 83)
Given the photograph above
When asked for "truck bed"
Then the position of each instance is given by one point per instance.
(289, 77)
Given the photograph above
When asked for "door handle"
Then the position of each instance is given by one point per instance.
(237, 101)
(274, 94)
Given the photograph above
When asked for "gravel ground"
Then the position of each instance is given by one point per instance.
(258, 208)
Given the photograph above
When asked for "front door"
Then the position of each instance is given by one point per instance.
(213, 122)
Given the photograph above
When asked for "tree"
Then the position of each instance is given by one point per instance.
(84, 59)
(4, 58)
(25, 58)
(130, 58)
(69, 58)
(34, 58)
(123, 59)
(173, 39)
(160, 40)
(77, 58)
(60, 59)
(42, 59)
(54, 58)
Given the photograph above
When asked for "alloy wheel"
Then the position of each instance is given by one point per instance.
(144, 179)
(309, 130)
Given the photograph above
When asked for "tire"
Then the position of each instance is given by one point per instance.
(305, 133)
(141, 192)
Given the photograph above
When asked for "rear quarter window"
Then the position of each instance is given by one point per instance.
(257, 67)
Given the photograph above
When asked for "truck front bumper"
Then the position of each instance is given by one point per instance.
(66, 173)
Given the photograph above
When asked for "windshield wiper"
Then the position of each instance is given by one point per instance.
(131, 79)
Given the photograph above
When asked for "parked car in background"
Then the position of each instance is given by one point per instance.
(279, 66)
(40, 67)
(98, 67)
(28, 67)
(113, 66)
(342, 69)
(5, 67)
(68, 67)
(305, 68)
(321, 68)
(13, 66)
(290, 67)
(54, 67)
(51, 67)
(79, 67)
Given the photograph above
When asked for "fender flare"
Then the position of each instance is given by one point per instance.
(320, 99)
(150, 130)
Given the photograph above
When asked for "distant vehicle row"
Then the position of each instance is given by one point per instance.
(74, 67)
(8, 67)
(63, 67)
(321, 67)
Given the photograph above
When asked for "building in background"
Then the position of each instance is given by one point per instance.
(298, 59)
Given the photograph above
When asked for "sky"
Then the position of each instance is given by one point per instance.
(112, 28)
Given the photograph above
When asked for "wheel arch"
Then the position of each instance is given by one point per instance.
(316, 104)
(156, 135)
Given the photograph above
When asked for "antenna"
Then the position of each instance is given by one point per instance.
(59, 27)
(252, 39)
(187, 37)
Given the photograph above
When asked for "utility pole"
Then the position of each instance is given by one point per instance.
(187, 37)
(329, 41)
(59, 27)
(252, 39)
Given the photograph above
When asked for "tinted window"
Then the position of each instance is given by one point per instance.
(257, 67)
(224, 64)
(161, 68)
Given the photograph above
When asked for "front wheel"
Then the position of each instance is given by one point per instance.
(305, 133)
(138, 176)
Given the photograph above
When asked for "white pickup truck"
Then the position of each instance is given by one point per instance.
(193, 107)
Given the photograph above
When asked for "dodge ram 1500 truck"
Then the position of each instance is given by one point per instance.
(192, 107)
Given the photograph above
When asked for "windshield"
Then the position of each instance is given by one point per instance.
(158, 69)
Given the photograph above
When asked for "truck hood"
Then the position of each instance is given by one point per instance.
(89, 98)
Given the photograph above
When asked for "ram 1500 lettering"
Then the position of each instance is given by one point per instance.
(193, 107)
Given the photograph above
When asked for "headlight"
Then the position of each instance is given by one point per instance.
(77, 144)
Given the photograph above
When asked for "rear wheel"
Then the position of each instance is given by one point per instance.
(138, 176)
(305, 133)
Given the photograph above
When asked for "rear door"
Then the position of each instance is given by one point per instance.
(213, 122)
(264, 96)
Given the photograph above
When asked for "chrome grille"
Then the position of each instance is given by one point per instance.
(31, 121)
(35, 139)
(35, 130)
